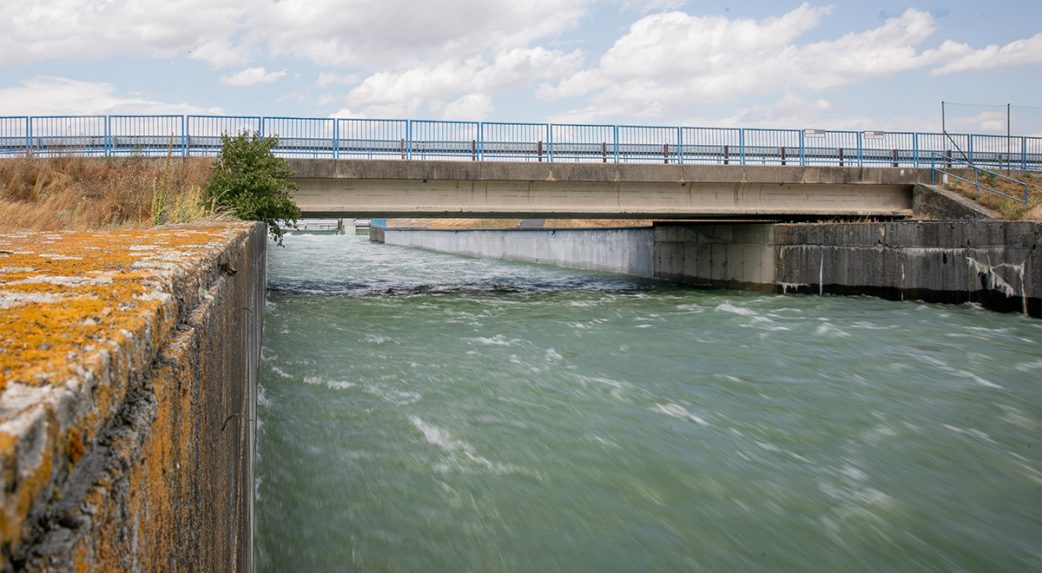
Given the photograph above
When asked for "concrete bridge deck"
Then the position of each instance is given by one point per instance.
(364, 188)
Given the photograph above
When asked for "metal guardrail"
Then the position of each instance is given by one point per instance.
(946, 167)
(200, 135)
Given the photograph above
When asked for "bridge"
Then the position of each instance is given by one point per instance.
(367, 188)
(400, 167)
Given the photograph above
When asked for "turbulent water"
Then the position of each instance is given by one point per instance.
(424, 412)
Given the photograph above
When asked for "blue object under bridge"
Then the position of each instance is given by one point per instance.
(405, 139)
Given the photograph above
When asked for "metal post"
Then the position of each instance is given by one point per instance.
(783, 155)
(803, 157)
(473, 150)
(184, 136)
(841, 157)
(893, 155)
(741, 144)
(860, 155)
(336, 138)
(28, 136)
(1008, 113)
(539, 150)
(948, 158)
(604, 152)
(915, 150)
(726, 160)
(403, 148)
(665, 153)
(680, 145)
(615, 137)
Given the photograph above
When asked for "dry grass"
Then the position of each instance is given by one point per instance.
(1009, 209)
(81, 193)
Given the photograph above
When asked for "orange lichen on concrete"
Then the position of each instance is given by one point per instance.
(80, 313)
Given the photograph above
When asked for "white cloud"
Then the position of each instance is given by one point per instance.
(960, 57)
(668, 64)
(457, 85)
(45, 95)
(252, 77)
(329, 78)
(90, 30)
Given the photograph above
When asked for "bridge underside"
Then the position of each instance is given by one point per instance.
(453, 189)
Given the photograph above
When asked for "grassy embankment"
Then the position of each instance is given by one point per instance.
(80, 193)
(1007, 208)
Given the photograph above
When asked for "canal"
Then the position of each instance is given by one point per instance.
(426, 412)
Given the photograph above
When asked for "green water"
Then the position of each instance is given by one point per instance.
(424, 412)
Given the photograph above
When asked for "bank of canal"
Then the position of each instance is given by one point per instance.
(426, 412)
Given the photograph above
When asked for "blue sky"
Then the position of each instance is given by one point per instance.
(844, 65)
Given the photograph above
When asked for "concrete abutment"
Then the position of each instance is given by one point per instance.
(129, 397)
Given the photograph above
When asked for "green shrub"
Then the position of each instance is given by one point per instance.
(249, 182)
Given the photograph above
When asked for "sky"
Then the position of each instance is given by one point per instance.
(751, 63)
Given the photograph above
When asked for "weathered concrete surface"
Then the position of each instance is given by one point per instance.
(626, 251)
(997, 264)
(128, 376)
(937, 203)
(363, 188)
(732, 255)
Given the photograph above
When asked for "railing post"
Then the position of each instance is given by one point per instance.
(550, 143)
(408, 139)
(473, 150)
(783, 155)
(184, 136)
(860, 156)
(680, 145)
(948, 158)
(481, 141)
(28, 136)
(104, 139)
(841, 157)
(336, 138)
(1024, 153)
(726, 159)
(803, 157)
(893, 155)
(604, 152)
(615, 138)
(665, 153)
(915, 150)
(539, 150)
(741, 144)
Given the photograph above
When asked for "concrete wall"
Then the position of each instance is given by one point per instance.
(615, 250)
(135, 451)
(997, 264)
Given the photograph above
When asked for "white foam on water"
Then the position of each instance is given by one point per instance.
(497, 340)
(679, 412)
(828, 329)
(728, 307)
(331, 384)
(458, 450)
(973, 432)
(552, 355)
(262, 398)
(279, 372)
(1029, 366)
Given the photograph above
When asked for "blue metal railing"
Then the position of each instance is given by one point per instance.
(200, 135)
(948, 167)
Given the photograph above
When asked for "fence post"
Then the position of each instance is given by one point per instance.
(408, 139)
(915, 150)
(107, 145)
(893, 155)
(948, 158)
(783, 155)
(680, 145)
(741, 144)
(539, 150)
(550, 142)
(1024, 153)
(665, 153)
(481, 141)
(726, 160)
(841, 157)
(604, 152)
(615, 137)
(336, 138)
(860, 156)
(802, 147)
